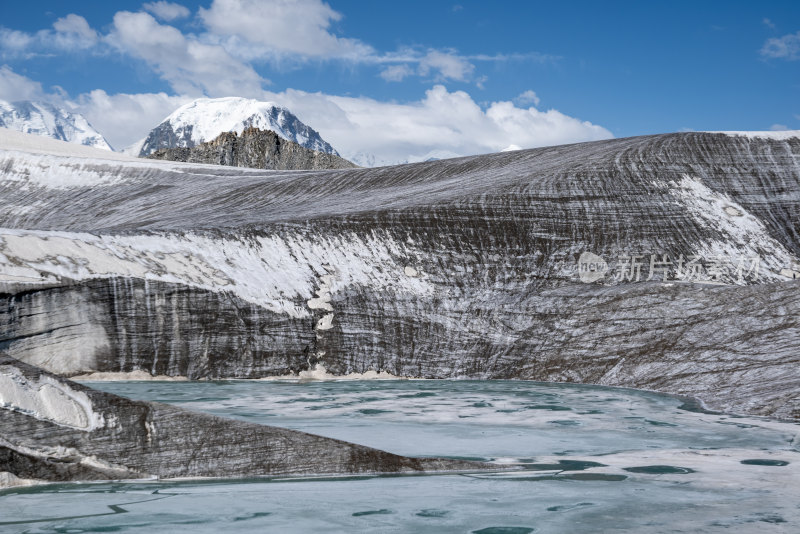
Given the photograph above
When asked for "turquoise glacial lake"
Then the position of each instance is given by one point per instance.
(593, 459)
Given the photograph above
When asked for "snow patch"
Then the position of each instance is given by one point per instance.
(511, 148)
(742, 235)
(776, 135)
(323, 299)
(326, 323)
(320, 373)
(278, 273)
(135, 376)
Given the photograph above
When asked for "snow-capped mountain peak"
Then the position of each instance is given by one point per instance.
(43, 118)
(368, 159)
(204, 119)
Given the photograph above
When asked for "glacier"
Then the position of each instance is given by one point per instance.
(666, 263)
(459, 268)
(54, 430)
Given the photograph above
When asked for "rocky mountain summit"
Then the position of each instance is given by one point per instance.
(45, 119)
(665, 262)
(206, 118)
(254, 148)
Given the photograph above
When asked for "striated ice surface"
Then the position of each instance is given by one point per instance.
(458, 268)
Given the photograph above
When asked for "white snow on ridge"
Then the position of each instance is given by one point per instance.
(209, 117)
(47, 120)
(45, 162)
(205, 118)
(280, 273)
(780, 135)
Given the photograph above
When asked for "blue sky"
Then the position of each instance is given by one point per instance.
(438, 73)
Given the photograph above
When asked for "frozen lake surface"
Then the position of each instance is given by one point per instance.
(594, 459)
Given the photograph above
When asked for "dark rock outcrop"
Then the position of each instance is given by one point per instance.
(53, 429)
(254, 148)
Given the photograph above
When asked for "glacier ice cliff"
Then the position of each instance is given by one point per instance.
(665, 262)
(101, 436)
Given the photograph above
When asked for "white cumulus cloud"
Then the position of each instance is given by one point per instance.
(442, 124)
(167, 11)
(301, 30)
(73, 31)
(234, 35)
(69, 34)
(277, 28)
(526, 98)
(447, 65)
(786, 47)
(190, 67)
(14, 86)
(125, 118)
(396, 73)
(14, 42)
